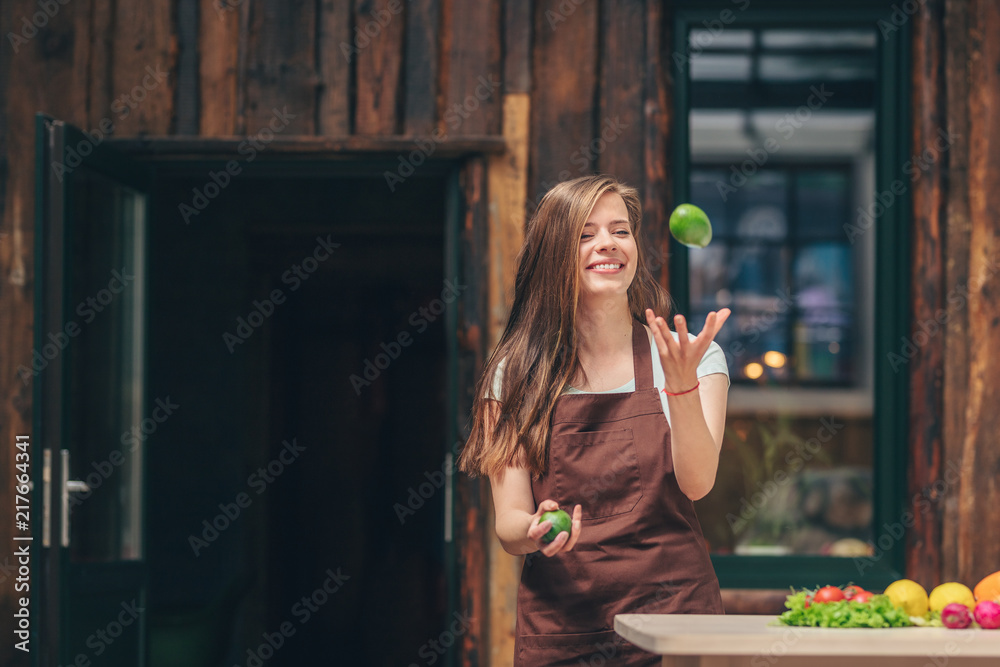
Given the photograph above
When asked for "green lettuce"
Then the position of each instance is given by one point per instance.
(878, 612)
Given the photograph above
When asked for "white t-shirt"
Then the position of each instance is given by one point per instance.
(714, 361)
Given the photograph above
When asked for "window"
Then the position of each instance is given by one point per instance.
(781, 139)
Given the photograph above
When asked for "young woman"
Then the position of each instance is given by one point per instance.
(584, 407)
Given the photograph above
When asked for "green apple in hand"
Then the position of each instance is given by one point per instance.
(561, 523)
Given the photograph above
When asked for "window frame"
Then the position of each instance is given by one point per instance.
(891, 273)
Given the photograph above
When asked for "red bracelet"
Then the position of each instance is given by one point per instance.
(681, 393)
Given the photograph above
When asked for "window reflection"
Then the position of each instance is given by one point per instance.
(782, 130)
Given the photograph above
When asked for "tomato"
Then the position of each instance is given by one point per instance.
(809, 599)
(828, 594)
(862, 596)
(852, 590)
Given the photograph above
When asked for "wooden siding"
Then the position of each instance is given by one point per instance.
(956, 276)
(970, 547)
(926, 387)
(588, 87)
(472, 495)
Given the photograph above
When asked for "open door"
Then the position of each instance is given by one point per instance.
(90, 412)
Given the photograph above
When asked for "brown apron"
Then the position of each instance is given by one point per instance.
(641, 549)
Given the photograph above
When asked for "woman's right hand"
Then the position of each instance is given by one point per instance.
(564, 541)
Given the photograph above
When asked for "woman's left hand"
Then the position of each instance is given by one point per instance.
(680, 358)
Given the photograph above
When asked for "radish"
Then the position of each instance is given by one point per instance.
(988, 614)
(956, 616)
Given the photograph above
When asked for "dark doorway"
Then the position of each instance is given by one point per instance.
(295, 321)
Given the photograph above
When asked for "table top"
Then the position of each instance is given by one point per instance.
(711, 634)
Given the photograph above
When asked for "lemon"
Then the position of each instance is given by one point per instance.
(952, 591)
(689, 225)
(909, 595)
(561, 523)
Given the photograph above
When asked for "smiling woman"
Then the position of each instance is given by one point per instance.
(553, 431)
(607, 247)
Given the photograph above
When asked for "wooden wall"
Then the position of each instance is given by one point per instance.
(585, 78)
(572, 87)
(956, 275)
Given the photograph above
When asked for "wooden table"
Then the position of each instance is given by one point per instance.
(701, 640)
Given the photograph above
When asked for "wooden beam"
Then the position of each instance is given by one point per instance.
(311, 148)
(565, 82)
(378, 83)
(958, 50)
(472, 495)
(473, 86)
(517, 20)
(98, 27)
(5, 58)
(618, 138)
(218, 65)
(423, 23)
(281, 67)
(978, 494)
(186, 121)
(923, 555)
(657, 183)
(143, 67)
(336, 62)
(754, 601)
(508, 191)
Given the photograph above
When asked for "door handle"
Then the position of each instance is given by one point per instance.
(46, 497)
(68, 486)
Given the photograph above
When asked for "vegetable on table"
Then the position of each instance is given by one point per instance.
(988, 614)
(828, 594)
(956, 615)
(852, 590)
(877, 612)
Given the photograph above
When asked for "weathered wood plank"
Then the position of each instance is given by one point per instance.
(618, 140)
(472, 495)
(6, 28)
(508, 187)
(473, 85)
(657, 193)
(336, 62)
(187, 67)
(82, 45)
(379, 68)
(923, 554)
(143, 67)
(958, 50)
(98, 24)
(754, 601)
(311, 148)
(517, 21)
(565, 80)
(281, 67)
(978, 507)
(423, 21)
(218, 65)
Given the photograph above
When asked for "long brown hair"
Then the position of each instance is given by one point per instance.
(539, 344)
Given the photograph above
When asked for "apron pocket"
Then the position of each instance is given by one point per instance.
(597, 469)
